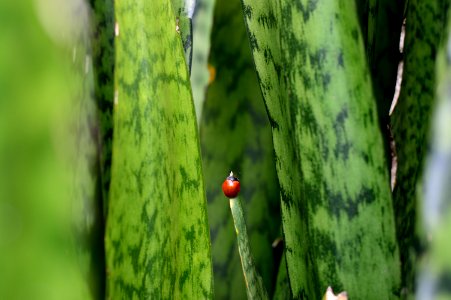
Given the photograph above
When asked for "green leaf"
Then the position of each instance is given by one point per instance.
(202, 23)
(411, 119)
(183, 11)
(434, 280)
(282, 290)
(47, 155)
(102, 20)
(157, 238)
(381, 22)
(335, 192)
(236, 136)
(254, 282)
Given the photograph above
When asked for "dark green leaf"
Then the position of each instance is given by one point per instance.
(381, 22)
(435, 279)
(282, 290)
(103, 68)
(410, 121)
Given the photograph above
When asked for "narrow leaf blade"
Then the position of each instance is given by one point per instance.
(410, 122)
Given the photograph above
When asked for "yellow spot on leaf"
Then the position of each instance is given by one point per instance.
(212, 73)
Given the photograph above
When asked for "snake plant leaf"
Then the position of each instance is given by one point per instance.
(236, 136)
(254, 283)
(157, 238)
(183, 11)
(335, 192)
(381, 22)
(47, 184)
(410, 121)
(102, 20)
(282, 290)
(200, 75)
(434, 282)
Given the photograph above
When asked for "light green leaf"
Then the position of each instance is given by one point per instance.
(157, 238)
(335, 192)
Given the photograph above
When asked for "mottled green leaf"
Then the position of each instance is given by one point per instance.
(282, 290)
(200, 75)
(254, 282)
(183, 11)
(435, 279)
(236, 136)
(410, 121)
(335, 192)
(102, 23)
(157, 238)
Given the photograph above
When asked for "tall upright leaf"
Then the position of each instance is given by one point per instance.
(381, 22)
(435, 279)
(410, 121)
(282, 290)
(236, 136)
(157, 237)
(335, 192)
(102, 23)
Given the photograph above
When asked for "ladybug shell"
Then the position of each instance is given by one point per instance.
(231, 187)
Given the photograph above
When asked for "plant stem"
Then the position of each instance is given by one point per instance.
(254, 283)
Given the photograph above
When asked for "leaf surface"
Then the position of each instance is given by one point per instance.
(157, 237)
(434, 280)
(335, 193)
(411, 122)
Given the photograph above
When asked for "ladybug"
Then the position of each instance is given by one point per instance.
(231, 186)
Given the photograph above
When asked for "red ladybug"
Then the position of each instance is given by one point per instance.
(231, 186)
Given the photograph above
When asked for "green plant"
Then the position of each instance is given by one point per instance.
(116, 129)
